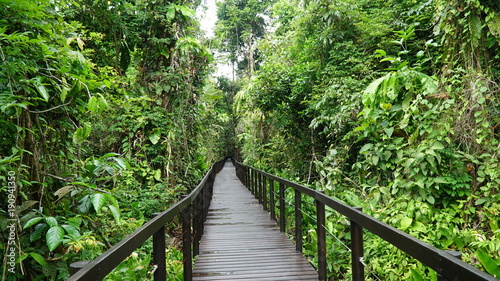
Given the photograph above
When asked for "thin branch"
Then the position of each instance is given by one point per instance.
(50, 109)
(57, 177)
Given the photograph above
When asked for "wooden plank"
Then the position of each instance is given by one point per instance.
(241, 242)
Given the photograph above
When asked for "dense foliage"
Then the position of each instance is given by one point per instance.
(390, 106)
(107, 116)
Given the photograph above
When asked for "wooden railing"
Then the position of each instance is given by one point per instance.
(262, 185)
(193, 209)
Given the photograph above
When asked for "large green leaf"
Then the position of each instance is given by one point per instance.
(39, 258)
(489, 264)
(98, 200)
(437, 145)
(71, 230)
(155, 136)
(51, 221)
(366, 147)
(416, 275)
(92, 104)
(116, 213)
(41, 88)
(39, 230)
(54, 237)
(187, 12)
(82, 133)
(405, 223)
(97, 103)
(113, 200)
(122, 164)
(170, 13)
(32, 222)
(84, 204)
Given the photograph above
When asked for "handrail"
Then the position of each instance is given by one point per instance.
(447, 266)
(199, 198)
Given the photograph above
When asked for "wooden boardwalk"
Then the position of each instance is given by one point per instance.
(241, 242)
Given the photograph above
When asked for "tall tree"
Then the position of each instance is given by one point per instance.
(241, 23)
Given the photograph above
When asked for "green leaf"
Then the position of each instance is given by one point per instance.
(481, 201)
(386, 106)
(97, 104)
(171, 13)
(71, 230)
(475, 29)
(54, 236)
(416, 275)
(98, 200)
(112, 199)
(92, 105)
(187, 12)
(84, 204)
(493, 225)
(39, 258)
(102, 103)
(157, 174)
(32, 222)
(64, 94)
(115, 212)
(440, 180)
(39, 229)
(51, 221)
(121, 163)
(366, 147)
(41, 88)
(489, 264)
(372, 89)
(389, 131)
(155, 136)
(405, 223)
(110, 154)
(437, 145)
(82, 133)
(381, 53)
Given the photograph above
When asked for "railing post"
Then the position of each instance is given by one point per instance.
(254, 185)
(320, 231)
(282, 207)
(358, 270)
(455, 254)
(271, 199)
(264, 192)
(259, 188)
(298, 221)
(198, 223)
(252, 181)
(247, 171)
(245, 176)
(186, 244)
(159, 257)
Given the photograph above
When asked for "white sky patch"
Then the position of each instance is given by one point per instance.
(207, 15)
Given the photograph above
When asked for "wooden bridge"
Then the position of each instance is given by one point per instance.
(241, 242)
(232, 236)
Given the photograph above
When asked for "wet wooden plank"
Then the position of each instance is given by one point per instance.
(241, 242)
